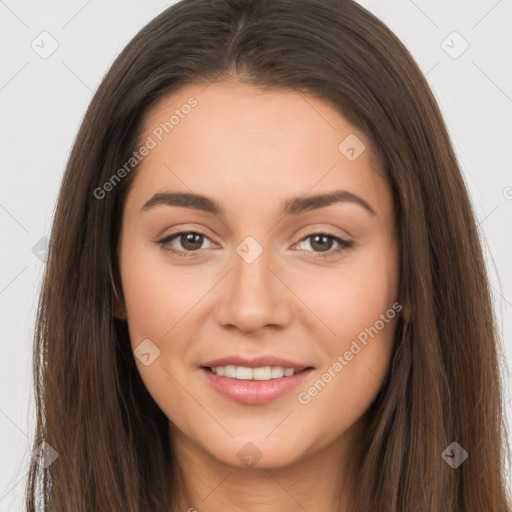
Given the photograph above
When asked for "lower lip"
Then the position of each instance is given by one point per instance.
(254, 392)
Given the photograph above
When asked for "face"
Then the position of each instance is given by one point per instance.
(258, 241)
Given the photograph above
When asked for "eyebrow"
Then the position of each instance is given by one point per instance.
(290, 207)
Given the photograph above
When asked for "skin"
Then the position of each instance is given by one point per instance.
(251, 150)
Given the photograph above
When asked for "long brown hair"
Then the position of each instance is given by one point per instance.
(443, 384)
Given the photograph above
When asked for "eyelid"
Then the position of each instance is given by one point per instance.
(316, 229)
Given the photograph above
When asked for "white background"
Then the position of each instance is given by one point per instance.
(42, 102)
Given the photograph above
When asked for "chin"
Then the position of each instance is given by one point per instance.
(259, 453)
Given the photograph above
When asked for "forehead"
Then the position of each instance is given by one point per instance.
(230, 139)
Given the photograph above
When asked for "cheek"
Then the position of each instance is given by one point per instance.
(363, 322)
(157, 301)
(351, 298)
(359, 305)
(157, 294)
(356, 357)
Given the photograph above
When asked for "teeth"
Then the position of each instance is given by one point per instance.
(244, 373)
(264, 373)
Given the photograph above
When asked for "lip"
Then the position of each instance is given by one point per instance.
(256, 362)
(253, 392)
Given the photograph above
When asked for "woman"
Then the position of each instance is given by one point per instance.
(265, 287)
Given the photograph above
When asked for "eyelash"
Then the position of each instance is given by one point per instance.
(344, 244)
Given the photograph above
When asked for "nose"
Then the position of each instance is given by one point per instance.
(254, 295)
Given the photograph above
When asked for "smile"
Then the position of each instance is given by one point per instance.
(245, 373)
(253, 386)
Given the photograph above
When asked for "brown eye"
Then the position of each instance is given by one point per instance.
(323, 243)
(189, 242)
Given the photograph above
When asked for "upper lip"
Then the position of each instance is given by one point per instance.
(255, 362)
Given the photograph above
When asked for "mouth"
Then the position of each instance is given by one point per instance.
(260, 373)
(253, 386)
